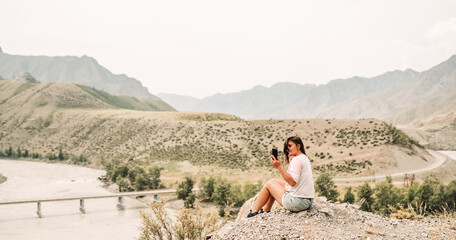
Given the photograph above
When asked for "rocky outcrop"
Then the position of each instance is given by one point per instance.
(24, 77)
(329, 220)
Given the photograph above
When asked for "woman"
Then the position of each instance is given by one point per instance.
(297, 192)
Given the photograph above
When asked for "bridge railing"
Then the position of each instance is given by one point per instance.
(120, 196)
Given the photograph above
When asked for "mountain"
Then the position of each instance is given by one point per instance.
(291, 100)
(82, 70)
(426, 86)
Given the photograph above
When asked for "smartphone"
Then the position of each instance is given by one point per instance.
(275, 152)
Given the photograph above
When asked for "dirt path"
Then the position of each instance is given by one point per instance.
(439, 156)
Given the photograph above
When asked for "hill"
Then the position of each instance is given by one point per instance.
(44, 118)
(25, 96)
(81, 70)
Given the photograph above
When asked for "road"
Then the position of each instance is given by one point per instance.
(440, 156)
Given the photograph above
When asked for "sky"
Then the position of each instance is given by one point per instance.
(200, 48)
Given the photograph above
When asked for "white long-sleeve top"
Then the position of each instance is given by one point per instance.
(301, 172)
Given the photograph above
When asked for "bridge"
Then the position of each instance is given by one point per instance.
(120, 196)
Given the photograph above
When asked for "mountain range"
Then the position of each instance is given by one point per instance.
(390, 96)
(81, 70)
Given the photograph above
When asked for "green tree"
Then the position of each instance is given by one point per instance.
(134, 172)
(250, 190)
(221, 193)
(207, 187)
(123, 183)
(450, 195)
(235, 195)
(61, 157)
(18, 152)
(154, 177)
(185, 188)
(325, 187)
(26, 153)
(120, 170)
(386, 196)
(365, 196)
(9, 152)
(431, 193)
(349, 196)
(190, 200)
(141, 181)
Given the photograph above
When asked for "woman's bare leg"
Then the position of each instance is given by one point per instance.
(273, 188)
(270, 202)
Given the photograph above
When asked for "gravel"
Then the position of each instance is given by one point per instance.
(327, 220)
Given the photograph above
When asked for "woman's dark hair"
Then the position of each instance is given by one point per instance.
(297, 140)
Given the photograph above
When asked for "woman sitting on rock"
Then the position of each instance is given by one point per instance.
(297, 192)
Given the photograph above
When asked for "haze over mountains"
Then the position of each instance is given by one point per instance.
(382, 97)
(82, 70)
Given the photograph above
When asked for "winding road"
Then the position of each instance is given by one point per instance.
(440, 156)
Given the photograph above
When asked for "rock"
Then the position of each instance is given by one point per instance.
(327, 211)
(24, 77)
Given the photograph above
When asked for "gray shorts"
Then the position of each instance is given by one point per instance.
(295, 204)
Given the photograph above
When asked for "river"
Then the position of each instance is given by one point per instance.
(61, 220)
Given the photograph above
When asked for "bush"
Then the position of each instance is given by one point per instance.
(222, 192)
(185, 188)
(190, 200)
(123, 183)
(386, 195)
(189, 224)
(349, 197)
(365, 197)
(207, 188)
(325, 187)
(81, 159)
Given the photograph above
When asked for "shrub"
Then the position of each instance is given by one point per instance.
(189, 224)
(325, 187)
(365, 197)
(349, 197)
(185, 189)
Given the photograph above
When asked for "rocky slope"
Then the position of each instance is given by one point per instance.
(329, 220)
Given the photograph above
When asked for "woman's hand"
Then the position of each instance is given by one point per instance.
(276, 162)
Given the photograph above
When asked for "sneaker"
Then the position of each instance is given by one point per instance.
(252, 214)
(261, 211)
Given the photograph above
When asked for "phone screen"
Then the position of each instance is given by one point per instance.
(274, 152)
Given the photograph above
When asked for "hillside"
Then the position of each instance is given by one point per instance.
(81, 70)
(43, 118)
(38, 99)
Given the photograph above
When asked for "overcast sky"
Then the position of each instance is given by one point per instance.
(200, 48)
